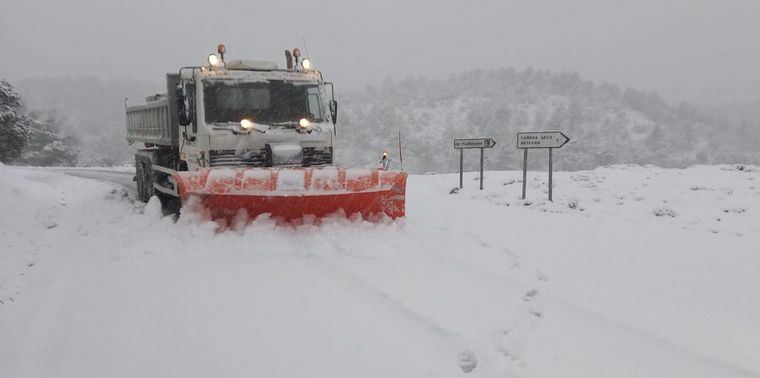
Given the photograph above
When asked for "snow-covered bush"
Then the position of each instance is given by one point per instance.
(663, 211)
(49, 145)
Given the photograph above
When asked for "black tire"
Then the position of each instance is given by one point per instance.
(144, 178)
(147, 180)
(138, 180)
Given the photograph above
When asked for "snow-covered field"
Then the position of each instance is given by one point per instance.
(631, 272)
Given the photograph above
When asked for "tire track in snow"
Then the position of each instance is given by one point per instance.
(347, 279)
(42, 322)
(510, 338)
(602, 321)
(469, 346)
(453, 345)
(507, 339)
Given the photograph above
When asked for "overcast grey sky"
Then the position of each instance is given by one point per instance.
(694, 50)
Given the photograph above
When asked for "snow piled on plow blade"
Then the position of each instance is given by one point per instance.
(293, 193)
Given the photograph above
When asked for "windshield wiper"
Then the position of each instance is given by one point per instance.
(234, 128)
(216, 125)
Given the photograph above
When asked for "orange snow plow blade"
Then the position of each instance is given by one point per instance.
(292, 193)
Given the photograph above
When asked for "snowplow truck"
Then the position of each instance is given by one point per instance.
(245, 135)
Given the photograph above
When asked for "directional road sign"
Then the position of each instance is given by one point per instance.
(541, 139)
(474, 143)
(465, 143)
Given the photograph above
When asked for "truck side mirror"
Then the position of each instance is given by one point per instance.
(184, 116)
(334, 111)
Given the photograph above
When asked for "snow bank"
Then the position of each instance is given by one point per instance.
(476, 283)
(716, 199)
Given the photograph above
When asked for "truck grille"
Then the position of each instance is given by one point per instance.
(311, 157)
(229, 158)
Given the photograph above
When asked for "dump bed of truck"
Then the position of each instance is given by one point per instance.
(155, 121)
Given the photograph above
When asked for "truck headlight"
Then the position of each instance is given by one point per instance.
(304, 123)
(246, 123)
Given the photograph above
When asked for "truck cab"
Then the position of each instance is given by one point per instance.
(250, 113)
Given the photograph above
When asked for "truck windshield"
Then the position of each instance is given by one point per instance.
(272, 102)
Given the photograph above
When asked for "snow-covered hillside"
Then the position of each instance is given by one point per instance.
(606, 124)
(632, 272)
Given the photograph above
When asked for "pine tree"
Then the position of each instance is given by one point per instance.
(14, 124)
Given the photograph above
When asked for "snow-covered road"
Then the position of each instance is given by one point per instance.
(632, 272)
(122, 177)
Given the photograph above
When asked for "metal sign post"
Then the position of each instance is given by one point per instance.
(550, 175)
(461, 163)
(462, 144)
(541, 139)
(481, 169)
(525, 171)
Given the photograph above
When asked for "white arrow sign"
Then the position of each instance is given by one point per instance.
(474, 143)
(541, 139)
